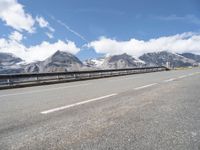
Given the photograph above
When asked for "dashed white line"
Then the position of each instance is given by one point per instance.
(128, 78)
(183, 76)
(180, 77)
(145, 86)
(44, 90)
(76, 104)
(191, 74)
(169, 80)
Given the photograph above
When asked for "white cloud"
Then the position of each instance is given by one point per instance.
(45, 24)
(16, 36)
(51, 29)
(50, 35)
(14, 15)
(185, 42)
(45, 49)
(42, 22)
(36, 52)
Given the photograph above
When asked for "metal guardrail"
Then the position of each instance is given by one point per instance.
(22, 80)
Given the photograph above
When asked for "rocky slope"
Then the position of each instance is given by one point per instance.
(121, 61)
(94, 62)
(115, 62)
(63, 61)
(192, 56)
(58, 62)
(164, 57)
(10, 64)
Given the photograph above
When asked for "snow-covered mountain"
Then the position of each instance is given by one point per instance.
(10, 64)
(34, 67)
(115, 62)
(63, 61)
(164, 57)
(121, 61)
(192, 56)
(94, 62)
(7, 59)
(58, 62)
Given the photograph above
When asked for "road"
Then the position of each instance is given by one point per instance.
(158, 110)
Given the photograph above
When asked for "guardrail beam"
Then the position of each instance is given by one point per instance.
(35, 78)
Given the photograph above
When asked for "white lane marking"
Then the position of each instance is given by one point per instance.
(191, 74)
(145, 86)
(128, 78)
(76, 104)
(183, 76)
(44, 90)
(169, 80)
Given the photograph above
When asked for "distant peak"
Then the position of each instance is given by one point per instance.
(59, 52)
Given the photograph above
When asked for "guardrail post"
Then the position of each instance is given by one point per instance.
(8, 82)
(100, 74)
(88, 75)
(37, 79)
(74, 76)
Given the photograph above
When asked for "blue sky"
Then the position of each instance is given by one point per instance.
(107, 26)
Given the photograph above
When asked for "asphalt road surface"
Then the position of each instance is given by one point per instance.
(144, 111)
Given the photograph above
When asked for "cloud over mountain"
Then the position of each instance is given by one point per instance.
(35, 52)
(13, 14)
(179, 43)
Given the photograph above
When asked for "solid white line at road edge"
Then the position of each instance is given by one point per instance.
(44, 90)
(145, 86)
(76, 104)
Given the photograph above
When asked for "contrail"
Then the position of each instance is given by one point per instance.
(70, 30)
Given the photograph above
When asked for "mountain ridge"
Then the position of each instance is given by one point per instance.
(164, 58)
(63, 61)
(59, 62)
